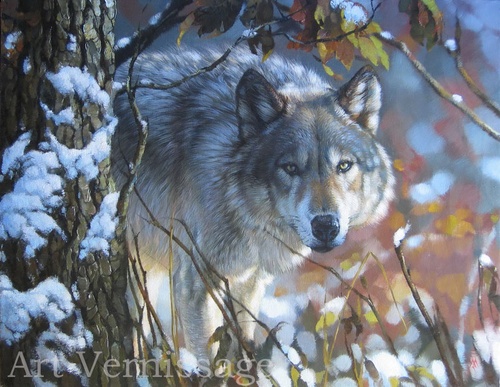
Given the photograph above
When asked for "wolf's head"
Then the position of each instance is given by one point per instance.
(311, 160)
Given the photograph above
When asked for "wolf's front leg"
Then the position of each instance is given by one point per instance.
(199, 314)
(247, 291)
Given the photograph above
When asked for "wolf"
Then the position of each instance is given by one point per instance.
(253, 166)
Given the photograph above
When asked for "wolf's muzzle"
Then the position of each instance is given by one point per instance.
(325, 229)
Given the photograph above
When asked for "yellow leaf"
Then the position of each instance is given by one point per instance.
(383, 56)
(422, 371)
(184, 27)
(454, 226)
(346, 26)
(326, 320)
(266, 55)
(322, 50)
(353, 39)
(368, 50)
(295, 375)
(384, 59)
(371, 318)
(319, 15)
(435, 207)
(372, 28)
(494, 218)
(328, 70)
(350, 262)
(319, 376)
(398, 165)
(394, 381)
(330, 318)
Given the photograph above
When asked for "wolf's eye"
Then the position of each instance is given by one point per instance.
(344, 165)
(290, 168)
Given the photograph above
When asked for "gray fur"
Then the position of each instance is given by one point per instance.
(249, 160)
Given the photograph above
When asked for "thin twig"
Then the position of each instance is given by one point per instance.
(209, 287)
(337, 38)
(437, 87)
(143, 130)
(168, 18)
(449, 342)
(337, 275)
(454, 380)
(456, 55)
(144, 285)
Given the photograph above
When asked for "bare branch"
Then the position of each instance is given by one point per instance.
(142, 129)
(168, 18)
(437, 87)
(456, 55)
(210, 286)
(335, 38)
(454, 380)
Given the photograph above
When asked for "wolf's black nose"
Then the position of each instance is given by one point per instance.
(325, 228)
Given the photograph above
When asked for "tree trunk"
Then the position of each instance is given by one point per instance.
(41, 40)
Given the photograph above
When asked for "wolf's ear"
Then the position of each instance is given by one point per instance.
(361, 98)
(257, 103)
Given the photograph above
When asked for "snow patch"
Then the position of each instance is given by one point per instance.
(71, 45)
(13, 154)
(334, 306)
(122, 42)
(49, 300)
(248, 34)
(11, 40)
(27, 65)
(65, 116)
(354, 13)
(451, 45)
(102, 227)
(344, 382)
(85, 161)
(400, 234)
(387, 35)
(342, 363)
(387, 365)
(308, 376)
(70, 80)
(25, 213)
(155, 19)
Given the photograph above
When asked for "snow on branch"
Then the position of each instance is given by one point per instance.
(49, 300)
(70, 80)
(102, 227)
(84, 161)
(25, 213)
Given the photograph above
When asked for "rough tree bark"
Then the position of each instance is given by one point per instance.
(53, 34)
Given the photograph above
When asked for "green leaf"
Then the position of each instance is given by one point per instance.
(432, 6)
